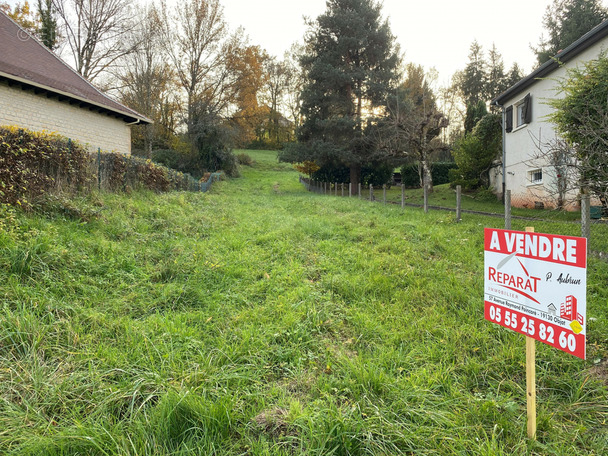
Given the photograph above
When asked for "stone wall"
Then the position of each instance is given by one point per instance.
(24, 108)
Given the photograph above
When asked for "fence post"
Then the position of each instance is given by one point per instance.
(586, 216)
(384, 194)
(426, 198)
(350, 189)
(371, 192)
(359, 190)
(336, 189)
(508, 210)
(342, 188)
(458, 202)
(402, 196)
(99, 168)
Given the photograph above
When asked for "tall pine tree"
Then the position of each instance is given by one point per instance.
(565, 22)
(351, 66)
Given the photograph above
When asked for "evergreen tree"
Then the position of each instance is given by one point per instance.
(48, 24)
(474, 79)
(350, 63)
(496, 77)
(566, 21)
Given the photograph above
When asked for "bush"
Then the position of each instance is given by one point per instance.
(244, 159)
(409, 176)
(440, 172)
(375, 174)
(33, 163)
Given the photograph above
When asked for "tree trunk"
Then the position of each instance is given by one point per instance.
(427, 178)
(355, 175)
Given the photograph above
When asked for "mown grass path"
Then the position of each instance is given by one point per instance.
(259, 319)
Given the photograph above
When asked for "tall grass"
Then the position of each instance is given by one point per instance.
(261, 319)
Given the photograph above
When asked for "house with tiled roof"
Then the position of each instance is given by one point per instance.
(528, 133)
(39, 91)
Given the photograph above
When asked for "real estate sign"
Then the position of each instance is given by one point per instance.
(536, 284)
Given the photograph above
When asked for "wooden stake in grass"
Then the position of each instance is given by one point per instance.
(531, 378)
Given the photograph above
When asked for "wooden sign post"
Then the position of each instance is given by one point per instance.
(531, 378)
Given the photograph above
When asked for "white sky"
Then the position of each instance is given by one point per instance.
(432, 33)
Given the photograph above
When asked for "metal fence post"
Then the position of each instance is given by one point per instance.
(508, 210)
(350, 189)
(359, 190)
(402, 196)
(99, 168)
(384, 194)
(586, 217)
(458, 202)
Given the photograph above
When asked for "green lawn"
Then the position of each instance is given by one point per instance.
(261, 319)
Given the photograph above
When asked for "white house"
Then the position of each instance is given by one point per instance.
(38, 91)
(526, 171)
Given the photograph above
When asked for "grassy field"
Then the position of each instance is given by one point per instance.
(260, 319)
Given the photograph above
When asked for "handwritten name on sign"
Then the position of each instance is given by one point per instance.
(535, 284)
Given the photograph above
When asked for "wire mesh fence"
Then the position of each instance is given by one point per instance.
(586, 220)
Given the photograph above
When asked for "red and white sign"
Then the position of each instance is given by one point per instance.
(536, 284)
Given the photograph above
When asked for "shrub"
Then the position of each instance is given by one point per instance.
(440, 172)
(33, 163)
(410, 176)
(244, 159)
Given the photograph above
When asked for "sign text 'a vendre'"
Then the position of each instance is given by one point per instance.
(535, 284)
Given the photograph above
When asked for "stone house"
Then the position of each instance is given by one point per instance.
(527, 132)
(39, 91)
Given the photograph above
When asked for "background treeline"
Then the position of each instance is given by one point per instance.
(345, 99)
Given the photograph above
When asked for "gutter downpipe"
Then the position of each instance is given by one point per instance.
(504, 152)
(137, 122)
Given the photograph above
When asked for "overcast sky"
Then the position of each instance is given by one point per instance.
(432, 33)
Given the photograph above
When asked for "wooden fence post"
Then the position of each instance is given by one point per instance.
(342, 185)
(384, 194)
(426, 198)
(359, 190)
(350, 189)
(371, 192)
(336, 189)
(402, 196)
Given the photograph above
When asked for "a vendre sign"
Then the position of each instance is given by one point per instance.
(535, 284)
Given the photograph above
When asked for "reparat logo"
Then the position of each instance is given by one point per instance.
(517, 283)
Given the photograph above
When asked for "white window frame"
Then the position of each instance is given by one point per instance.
(519, 114)
(531, 175)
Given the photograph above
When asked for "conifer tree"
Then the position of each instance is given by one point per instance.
(565, 22)
(351, 66)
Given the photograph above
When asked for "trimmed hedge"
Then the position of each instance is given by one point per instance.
(440, 173)
(35, 163)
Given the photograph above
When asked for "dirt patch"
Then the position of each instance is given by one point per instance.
(273, 422)
(600, 371)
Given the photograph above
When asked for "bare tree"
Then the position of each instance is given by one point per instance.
(145, 79)
(197, 43)
(561, 171)
(97, 33)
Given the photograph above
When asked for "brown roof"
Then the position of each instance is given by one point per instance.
(26, 60)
